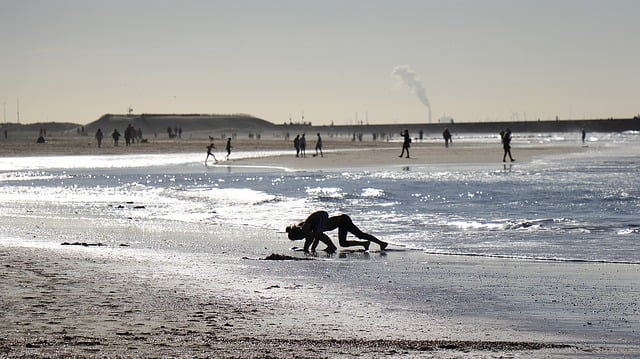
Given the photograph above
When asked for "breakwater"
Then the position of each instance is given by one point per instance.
(604, 125)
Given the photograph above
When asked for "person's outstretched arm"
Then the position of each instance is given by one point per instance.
(322, 237)
(310, 241)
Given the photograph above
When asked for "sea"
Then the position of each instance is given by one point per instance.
(582, 206)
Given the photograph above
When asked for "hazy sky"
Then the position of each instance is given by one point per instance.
(476, 60)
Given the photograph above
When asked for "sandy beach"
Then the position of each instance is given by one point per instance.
(340, 152)
(101, 300)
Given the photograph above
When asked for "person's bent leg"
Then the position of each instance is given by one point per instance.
(360, 234)
(331, 248)
(346, 226)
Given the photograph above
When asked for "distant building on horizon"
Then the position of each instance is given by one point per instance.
(445, 119)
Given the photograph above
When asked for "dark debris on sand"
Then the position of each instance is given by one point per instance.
(83, 244)
(282, 257)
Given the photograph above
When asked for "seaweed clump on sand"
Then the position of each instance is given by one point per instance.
(282, 257)
(83, 244)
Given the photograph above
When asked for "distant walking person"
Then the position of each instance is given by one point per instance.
(303, 146)
(296, 145)
(447, 137)
(506, 144)
(229, 147)
(99, 137)
(129, 135)
(584, 135)
(210, 153)
(319, 146)
(116, 137)
(406, 143)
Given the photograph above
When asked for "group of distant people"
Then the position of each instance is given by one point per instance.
(131, 135)
(505, 137)
(300, 145)
(43, 133)
(174, 132)
(300, 142)
(211, 146)
(406, 140)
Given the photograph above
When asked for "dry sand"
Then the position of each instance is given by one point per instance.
(107, 301)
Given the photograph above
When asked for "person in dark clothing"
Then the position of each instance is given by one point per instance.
(210, 148)
(312, 230)
(506, 144)
(116, 137)
(406, 143)
(296, 145)
(303, 146)
(99, 136)
(129, 134)
(229, 147)
(319, 146)
(447, 137)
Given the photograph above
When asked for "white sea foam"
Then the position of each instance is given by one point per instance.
(372, 193)
(466, 225)
(115, 161)
(325, 192)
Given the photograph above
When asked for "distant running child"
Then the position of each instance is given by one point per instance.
(210, 153)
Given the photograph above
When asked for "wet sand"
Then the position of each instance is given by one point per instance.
(116, 300)
(386, 155)
(108, 301)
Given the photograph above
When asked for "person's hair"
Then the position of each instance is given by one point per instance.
(294, 232)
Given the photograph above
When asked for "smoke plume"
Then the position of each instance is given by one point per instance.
(410, 79)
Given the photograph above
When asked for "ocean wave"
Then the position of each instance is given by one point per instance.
(325, 193)
(631, 229)
(115, 161)
(30, 176)
(529, 258)
(505, 224)
(470, 225)
(226, 196)
(372, 193)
